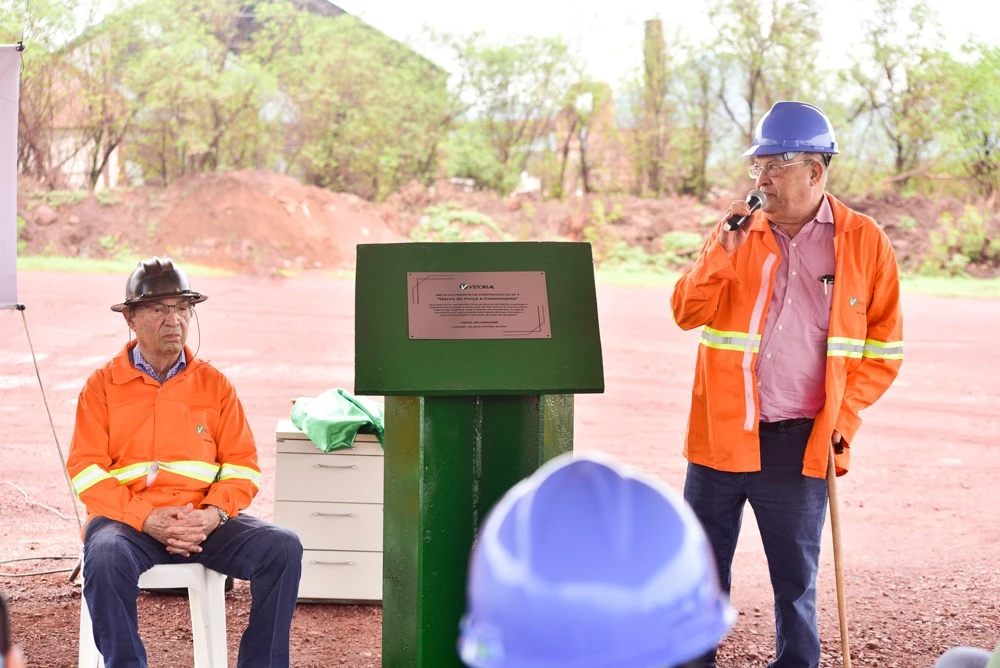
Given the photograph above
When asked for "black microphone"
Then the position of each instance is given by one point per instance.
(755, 199)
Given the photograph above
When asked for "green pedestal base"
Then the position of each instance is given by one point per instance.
(448, 460)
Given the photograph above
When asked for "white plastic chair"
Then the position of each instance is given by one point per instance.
(207, 596)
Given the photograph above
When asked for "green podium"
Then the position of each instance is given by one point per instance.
(478, 349)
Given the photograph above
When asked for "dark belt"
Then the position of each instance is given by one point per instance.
(784, 424)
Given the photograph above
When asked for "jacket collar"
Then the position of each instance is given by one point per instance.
(123, 372)
(844, 220)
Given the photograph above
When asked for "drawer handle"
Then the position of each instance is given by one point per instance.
(331, 563)
(335, 466)
(319, 514)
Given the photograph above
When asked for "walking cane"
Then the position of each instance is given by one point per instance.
(838, 561)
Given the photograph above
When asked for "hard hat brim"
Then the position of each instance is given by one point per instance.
(193, 297)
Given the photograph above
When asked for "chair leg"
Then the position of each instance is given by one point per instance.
(214, 603)
(207, 600)
(89, 656)
(199, 629)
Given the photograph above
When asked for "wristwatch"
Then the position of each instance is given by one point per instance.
(223, 515)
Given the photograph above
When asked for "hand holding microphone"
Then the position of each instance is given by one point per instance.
(755, 200)
(733, 233)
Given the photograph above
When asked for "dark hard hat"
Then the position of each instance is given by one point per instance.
(157, 278)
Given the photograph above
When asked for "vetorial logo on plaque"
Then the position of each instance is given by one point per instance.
(474, 286)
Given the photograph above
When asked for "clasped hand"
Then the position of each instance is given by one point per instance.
(181, 528)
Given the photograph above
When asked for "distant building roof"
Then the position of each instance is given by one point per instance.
(321, 7)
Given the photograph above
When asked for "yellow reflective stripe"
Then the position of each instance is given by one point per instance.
(129, 473)
(722, 332)
(202, 471)
(883, 350)
(89, 477)
(233, 471)
(722, 340)
(841, 346)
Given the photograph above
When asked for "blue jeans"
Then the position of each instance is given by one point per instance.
(790, 509)
(270, 557)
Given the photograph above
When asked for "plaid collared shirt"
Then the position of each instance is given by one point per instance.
(142, 365)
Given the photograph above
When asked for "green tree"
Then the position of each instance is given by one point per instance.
(43, 26)
(102, 110)
(902, 82)
(513, 94)
(699, 121)
(364, 113)
(582, 108)
(200, 82)
(655, 125)
(974, 113)
(767, 52)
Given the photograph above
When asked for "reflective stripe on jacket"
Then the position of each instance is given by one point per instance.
(729, 298)
(139, 445)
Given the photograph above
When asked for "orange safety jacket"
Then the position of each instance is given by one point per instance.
(139, 444)
(729, 297)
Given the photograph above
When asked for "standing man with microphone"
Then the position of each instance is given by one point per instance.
(801, 329)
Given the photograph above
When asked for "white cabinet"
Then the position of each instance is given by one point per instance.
(333, 501)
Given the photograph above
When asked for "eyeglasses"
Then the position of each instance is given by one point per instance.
(160, 311)
(772, 169)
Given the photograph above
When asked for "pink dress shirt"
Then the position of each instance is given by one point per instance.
(791, 364)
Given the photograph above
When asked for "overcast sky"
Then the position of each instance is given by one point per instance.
(607, 34)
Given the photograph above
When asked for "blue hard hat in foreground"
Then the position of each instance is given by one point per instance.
(587, 565)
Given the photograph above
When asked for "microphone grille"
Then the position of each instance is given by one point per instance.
(759, 195)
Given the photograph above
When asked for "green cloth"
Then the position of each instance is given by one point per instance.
(334, 418)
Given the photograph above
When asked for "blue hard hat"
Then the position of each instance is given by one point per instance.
(793, 127)
(586, 565)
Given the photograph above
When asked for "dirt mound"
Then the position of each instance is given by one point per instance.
(247, 220)
(637, 221)
(262, 222)
(908, 221)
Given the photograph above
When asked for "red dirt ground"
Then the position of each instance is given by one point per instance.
(918, 509)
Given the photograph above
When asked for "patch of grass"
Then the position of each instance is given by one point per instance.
(120, 265)
(449, 222)
(108, 242)
(709, 219)
(58, 198)
(676, 240)
(107, 198)
(340, 273)
(21, 243)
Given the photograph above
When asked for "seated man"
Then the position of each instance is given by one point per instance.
(586, 564)
(164, 460)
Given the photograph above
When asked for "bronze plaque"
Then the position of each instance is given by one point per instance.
(478, 305)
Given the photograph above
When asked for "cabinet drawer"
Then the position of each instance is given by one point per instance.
(328, 477)
(333, 526)
(361, 448)
(346, 576)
